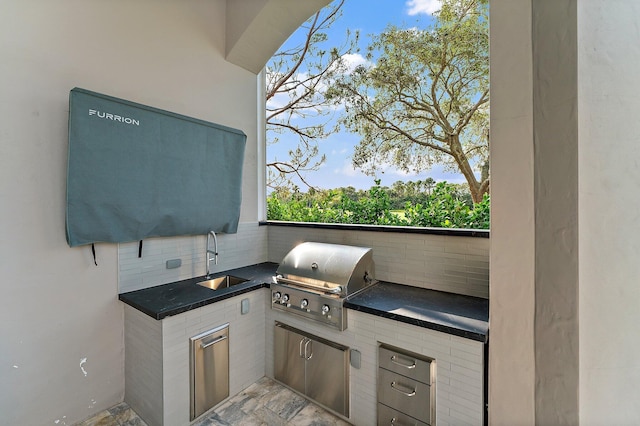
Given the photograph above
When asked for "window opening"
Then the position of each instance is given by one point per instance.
(380, 115)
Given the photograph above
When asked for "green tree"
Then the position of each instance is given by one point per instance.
(425, 99)
(429, 183)
(295, 80)
(374, 208)
(350, 192)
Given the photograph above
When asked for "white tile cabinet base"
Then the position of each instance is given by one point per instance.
(459, 371)
(157, 355)
(157, 359)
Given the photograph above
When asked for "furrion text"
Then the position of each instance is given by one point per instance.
(114, 117)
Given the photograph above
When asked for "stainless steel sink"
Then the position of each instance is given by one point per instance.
(222, 282)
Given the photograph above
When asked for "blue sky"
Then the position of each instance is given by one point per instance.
(369, 17)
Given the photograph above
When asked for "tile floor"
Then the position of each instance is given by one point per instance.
(265, 403)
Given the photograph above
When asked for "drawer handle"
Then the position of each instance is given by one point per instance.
(306, 345)
(213, 342)
(395, 359)
(303, 349)
(395, 422)
(405, 393)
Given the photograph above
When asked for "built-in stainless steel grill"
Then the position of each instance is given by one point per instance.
(313, 280)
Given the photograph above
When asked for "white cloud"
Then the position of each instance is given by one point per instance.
(428, 7)
(401, 173)
(278, 101)
(391, 170)
(352, 60)
(347, 170)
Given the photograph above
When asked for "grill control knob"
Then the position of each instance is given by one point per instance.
(285, 298)
(277, 295)
(304, 303)
(325, 309)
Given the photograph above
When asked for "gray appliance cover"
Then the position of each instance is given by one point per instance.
(135, 172)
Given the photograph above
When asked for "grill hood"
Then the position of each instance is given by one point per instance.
(331, 268)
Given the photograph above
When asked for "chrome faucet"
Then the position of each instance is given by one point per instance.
(209, 251)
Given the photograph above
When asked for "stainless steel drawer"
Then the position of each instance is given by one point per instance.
(209, 369)
(404, 394)
(387, 416)
(407, 365)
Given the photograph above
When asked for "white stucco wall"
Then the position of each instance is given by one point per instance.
(62, 356)
(609, 154)
(534, 284)
(534, 297)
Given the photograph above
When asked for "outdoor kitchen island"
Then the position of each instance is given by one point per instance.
(450, 329)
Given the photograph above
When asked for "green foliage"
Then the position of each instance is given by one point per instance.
(373, 209)
(445, 208)
(442, 205)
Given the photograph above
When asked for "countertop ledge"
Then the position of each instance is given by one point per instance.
(175, 298)
(451, 313)
(455, 314)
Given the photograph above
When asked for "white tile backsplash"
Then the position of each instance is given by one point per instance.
(450, 263)
(441, 262)
(247, 247)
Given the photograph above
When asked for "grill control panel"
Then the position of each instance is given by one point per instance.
(326, 309)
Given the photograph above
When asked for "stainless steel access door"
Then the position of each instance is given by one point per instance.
(209, 369)
(327, 375)
(288, 357)
(313, 366)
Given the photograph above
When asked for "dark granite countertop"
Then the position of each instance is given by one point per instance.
(174, 298)
(463, 316)
(450, 313)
